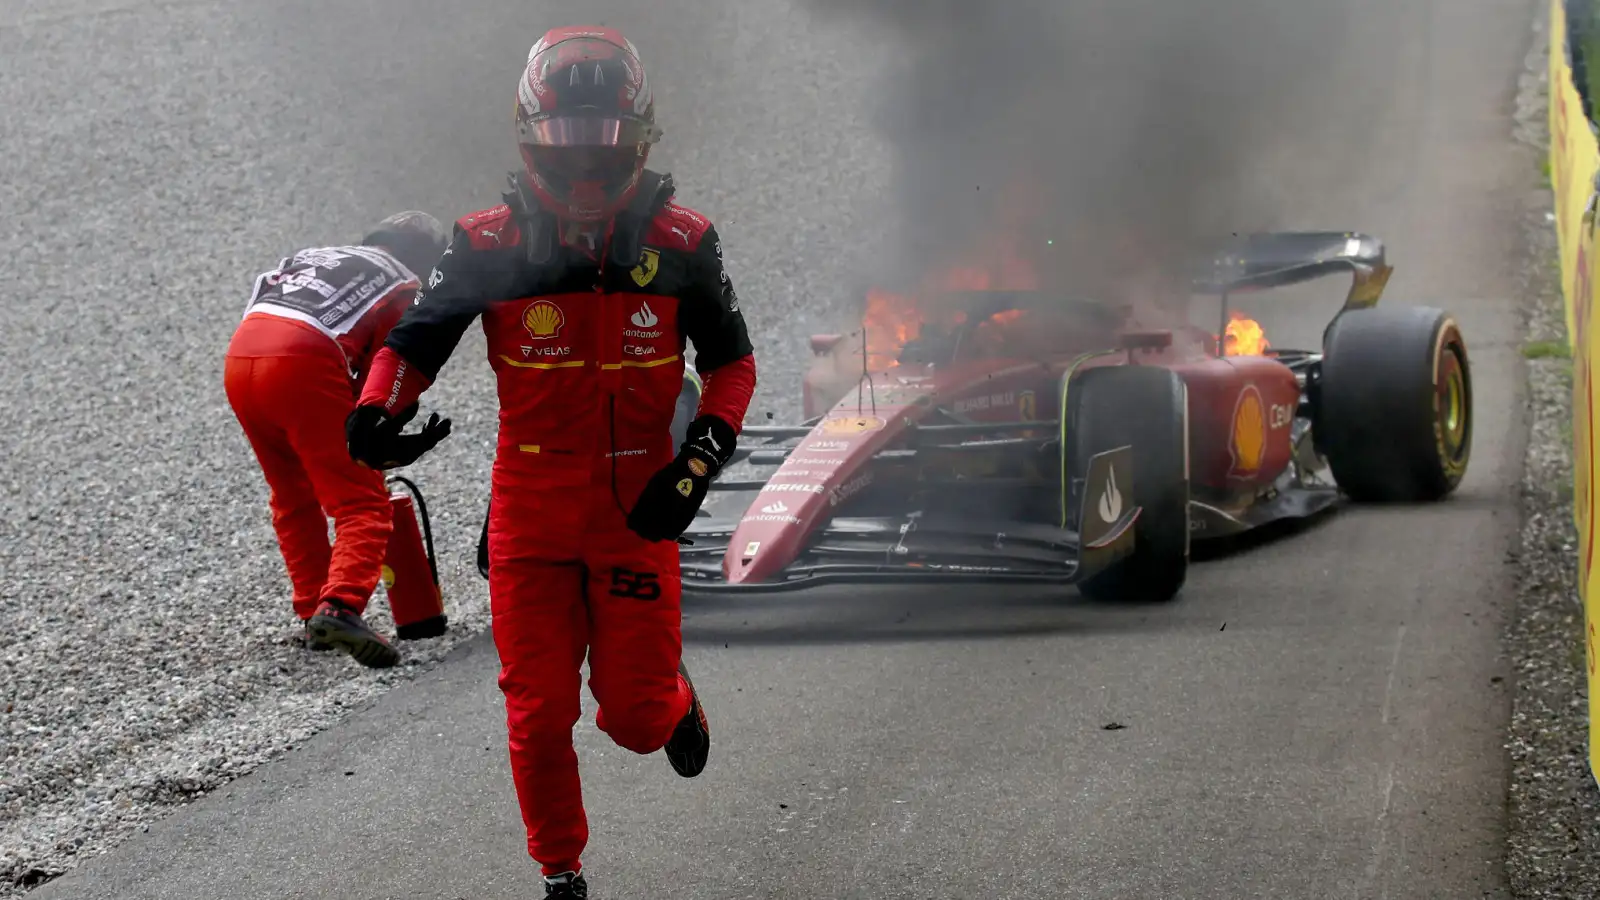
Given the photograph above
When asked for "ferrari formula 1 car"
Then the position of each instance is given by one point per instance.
(1037, 438)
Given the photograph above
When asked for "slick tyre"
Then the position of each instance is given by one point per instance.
(1147, 408)
(1394, 404)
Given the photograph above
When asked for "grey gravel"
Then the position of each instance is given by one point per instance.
(1554, 834)
(156, 154)
(1554, 804)
(146, 655)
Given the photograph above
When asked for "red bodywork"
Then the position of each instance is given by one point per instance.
(984, 342)
(1241, 409)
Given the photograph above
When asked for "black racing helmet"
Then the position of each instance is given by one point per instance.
(413, 237)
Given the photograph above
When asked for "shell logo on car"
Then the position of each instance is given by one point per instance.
(851, 424)
(1249, 433)
(543, 319)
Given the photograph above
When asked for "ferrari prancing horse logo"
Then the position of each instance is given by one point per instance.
(851, 424)
(645, 271)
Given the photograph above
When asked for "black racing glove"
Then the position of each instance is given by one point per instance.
(671, 498)
(374, 439)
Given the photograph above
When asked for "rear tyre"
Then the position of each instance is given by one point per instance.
(1146, 407)
(1394, 411)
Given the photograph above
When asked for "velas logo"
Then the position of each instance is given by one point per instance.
(543, 320)
(1249, 441)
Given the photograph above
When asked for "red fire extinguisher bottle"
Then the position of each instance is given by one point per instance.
(410, 569)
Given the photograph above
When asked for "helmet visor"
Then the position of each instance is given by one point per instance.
(586, 131)
(567, 166)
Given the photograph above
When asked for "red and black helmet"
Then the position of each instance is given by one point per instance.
(585, 121)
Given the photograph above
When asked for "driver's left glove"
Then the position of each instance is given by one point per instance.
(671, 498)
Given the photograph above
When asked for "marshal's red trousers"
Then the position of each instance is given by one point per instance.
(568, 579)
(291, 394)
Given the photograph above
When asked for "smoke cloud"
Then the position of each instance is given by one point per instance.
(1109, 139)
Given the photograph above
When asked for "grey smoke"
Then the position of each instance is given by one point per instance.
(1152, 126)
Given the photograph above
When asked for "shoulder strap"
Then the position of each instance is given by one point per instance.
(655, 189)
(537, 226)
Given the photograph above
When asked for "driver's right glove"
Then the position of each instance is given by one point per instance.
(374, 439)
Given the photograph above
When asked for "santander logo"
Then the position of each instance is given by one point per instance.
(644, 321)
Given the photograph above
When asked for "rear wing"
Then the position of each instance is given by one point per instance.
(1256, 262)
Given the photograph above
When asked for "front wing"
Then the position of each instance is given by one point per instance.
(919, 547)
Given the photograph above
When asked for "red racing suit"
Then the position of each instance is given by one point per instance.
(587, 349)
(292, 373)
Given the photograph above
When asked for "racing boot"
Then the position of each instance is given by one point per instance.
(566, 886)
(304, 638)
(690, 743)
(337, 624)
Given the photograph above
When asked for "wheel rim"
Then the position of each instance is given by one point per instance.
(1454, 410)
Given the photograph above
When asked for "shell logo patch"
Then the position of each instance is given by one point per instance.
(386, 577)
(1249, 441)
(543, 320)
(649, 264)
(851, 424)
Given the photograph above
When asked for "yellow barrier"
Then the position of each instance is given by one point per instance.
(1574, 161)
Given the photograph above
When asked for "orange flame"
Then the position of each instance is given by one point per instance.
(893, 319)
(1244, 336)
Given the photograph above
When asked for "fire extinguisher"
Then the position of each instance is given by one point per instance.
(410, 568)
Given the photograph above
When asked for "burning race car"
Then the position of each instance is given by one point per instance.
(1028, 437)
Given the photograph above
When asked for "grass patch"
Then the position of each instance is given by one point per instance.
(1544, 172)
(1547, 350)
